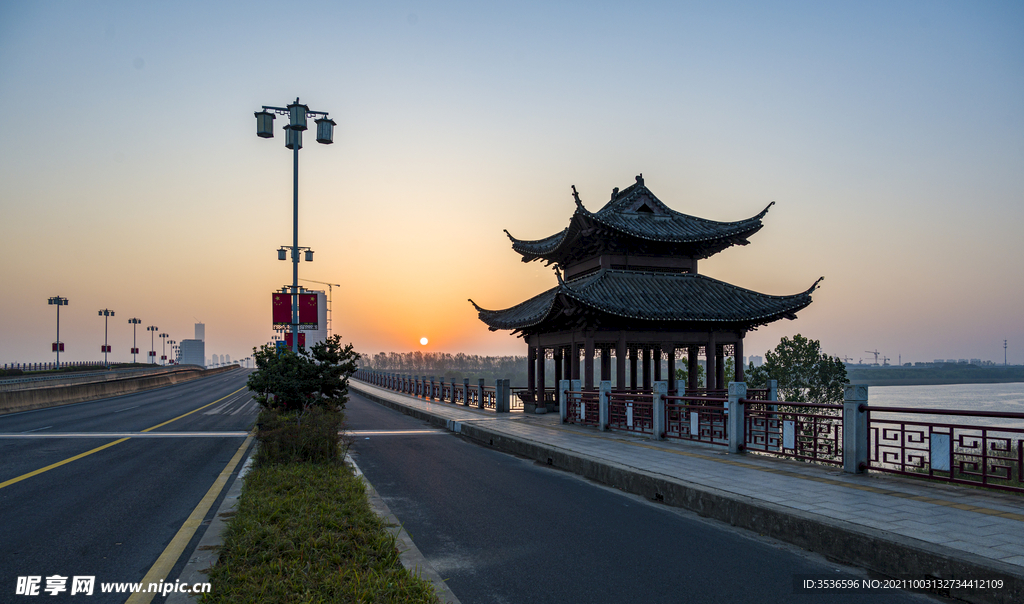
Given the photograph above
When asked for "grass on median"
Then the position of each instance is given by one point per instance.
(304, 532)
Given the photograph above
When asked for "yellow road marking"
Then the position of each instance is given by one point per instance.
(110, 444)
(163, 565)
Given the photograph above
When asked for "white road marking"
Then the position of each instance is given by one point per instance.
(36, 430)
(4, 435)
(127, 408)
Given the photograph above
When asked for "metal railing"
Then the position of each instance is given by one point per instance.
(465, 394)
(806, 431)
(631, 412)
(697, 419)
(979, 455)
(583, 407)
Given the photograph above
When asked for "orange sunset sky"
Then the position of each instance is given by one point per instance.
(890, 136)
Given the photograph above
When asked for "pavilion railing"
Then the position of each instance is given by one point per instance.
(631, 412)
(583, 407)
(902, 441)
(806, 431)
(696, 418)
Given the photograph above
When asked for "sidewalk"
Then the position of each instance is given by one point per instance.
(897, 527)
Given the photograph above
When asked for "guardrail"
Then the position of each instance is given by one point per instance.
(807, 431)
(696, 418)
(971, 454)
(86, 377)
(496, 398)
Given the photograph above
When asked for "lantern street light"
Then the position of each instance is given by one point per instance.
(172, 343)
(106, 313)
(163, 357)
(152, 346)
(135, 350)
(58, 345)
(297, 114)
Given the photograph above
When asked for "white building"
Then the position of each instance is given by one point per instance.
(314, 336)
(192, 352)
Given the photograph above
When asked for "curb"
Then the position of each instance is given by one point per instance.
(207, 551)
(410, 555)
(875, 550)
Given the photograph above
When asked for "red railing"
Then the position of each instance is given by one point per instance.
(696, 418)
(631, 412)
(583, 408)
(807, 431)
(989, 456)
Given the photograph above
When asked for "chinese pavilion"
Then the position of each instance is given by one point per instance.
(628, 282)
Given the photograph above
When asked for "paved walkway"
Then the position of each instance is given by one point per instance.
(982, 530)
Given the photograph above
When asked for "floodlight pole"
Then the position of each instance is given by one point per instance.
(58, 302)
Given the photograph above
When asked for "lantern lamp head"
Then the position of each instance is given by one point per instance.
(264, 124)
(293, 137)
(325, 130)
(297, 115)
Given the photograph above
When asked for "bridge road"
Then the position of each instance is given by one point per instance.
(501, 529)
(111, 513)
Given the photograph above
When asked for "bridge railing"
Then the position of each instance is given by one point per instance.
(696, 418)
(496, 398)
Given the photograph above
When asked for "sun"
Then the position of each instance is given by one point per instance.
(423, 341)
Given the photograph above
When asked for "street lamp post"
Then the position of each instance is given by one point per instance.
(163, 355)
(58, 302)
(152, 342)
(106, 313)
(172, 343)
(297, 114)
(135, 344)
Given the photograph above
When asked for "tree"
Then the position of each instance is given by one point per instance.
(288, 381)
(805, 374)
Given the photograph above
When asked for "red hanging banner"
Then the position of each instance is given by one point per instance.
(282, 309)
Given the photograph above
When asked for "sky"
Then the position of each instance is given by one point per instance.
(890, 136)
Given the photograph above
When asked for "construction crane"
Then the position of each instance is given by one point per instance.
(329, 291)
(874, 352)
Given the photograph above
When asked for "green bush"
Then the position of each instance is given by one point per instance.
(295, 437)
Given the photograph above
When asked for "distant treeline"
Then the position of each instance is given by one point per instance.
(938, 374)
(450, 366)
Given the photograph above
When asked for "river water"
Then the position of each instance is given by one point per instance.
(974, 397)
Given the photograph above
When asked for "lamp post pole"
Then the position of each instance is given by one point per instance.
(297, 114)
(58, 302)
(106, 313)
(173, 356)
(135, 340)
(152, 342)
(163, 355)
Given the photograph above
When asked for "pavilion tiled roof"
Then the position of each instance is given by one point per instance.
(643, 296)
(637, 213)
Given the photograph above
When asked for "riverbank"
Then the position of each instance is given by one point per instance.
(932, 376)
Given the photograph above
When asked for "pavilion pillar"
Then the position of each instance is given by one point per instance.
(710, 356)
(558, 364)
(646, 364)
(692, 382)
(606, 364)
(541, 361)
(671, 350)
(588, 362)
(738, 352)
(574, 358)
(657, 363)
(720, 367)
(531, 363)
(567, 361)
(632, 367)
(620, 362)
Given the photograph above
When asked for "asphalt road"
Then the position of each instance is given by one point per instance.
(501, 529)
(111, 513)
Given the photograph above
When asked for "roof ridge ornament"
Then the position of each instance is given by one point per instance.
(558, 275)
(640, 179)
(615, 193)
(576, 197)
(513, 239)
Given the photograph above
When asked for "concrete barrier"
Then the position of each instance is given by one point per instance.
(53, 396)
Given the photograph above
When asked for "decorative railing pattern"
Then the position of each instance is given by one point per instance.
(975, 454)
(696, 418)
(631, 412)
(431, 389)
(583, 407)
(807, 431)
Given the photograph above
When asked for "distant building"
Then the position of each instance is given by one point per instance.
(227, 359)
(755, 361)
(192, 352)
(201, 332)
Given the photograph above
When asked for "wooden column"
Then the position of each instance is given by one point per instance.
(574, 357)
(620, 362)
(606, 363)
(558, 364)
(720, 368)
(671, 351)
(567, 361)
(531, 364)
(711, 355)
(588, 362)
(691, 366)
(541, 361)
(656, 357)
(738, 351)
(646, 364)
(632, 367)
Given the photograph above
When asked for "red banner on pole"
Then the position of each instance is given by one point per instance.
(288, 340)
(309, 314)
(282, 308)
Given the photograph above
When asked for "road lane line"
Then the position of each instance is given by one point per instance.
(110, 444)
(127, 408)
(165, 563)
(36, 430)
(58, 464)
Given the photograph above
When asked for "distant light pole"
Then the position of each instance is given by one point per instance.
(135, 350)
(152, 342)
(172, 343)
(58, 345)
(297, 114)
(106, 313)
(163, 356)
